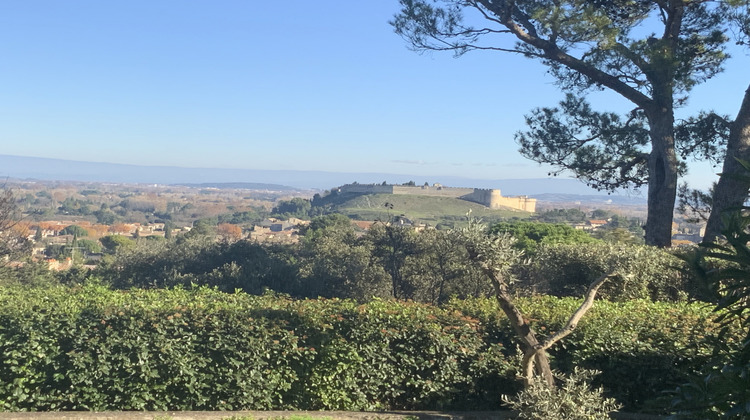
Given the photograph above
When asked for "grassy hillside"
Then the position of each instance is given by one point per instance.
(430, 210)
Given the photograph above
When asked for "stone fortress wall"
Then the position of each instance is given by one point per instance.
(486, 197)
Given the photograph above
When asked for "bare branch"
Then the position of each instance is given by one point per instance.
(587, 303)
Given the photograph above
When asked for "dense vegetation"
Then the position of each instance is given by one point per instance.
(395, 318)
(333, 259)
(94, 348)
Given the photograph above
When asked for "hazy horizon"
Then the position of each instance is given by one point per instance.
(25, 167)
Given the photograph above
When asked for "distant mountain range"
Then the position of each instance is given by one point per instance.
(239, 186)
(19, 167)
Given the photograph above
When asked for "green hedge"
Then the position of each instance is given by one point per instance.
(95, 349)
(642, 348)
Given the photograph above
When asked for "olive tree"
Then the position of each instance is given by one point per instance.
(494, 255)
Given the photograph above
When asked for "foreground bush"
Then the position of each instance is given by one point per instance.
(95, 349)
(333, 260)
(573, 400)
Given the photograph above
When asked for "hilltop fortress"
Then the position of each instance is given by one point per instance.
(486, 197)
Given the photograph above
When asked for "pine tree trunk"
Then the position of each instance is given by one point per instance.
(662, 177)
(732, 189)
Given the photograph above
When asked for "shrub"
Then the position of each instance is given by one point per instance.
(721, 390)
(116, 243)
(199, 260)
(574, 399)
(87, 245)
(74, 230)
(568, 269)
(531, 235)
(642, 348)
(95, 349)
(90, 348)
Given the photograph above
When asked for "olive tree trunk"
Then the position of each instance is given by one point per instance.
(493, 256)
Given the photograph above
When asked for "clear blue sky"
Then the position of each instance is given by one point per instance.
(311, 85)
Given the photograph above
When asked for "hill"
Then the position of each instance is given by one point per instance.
(425, 209)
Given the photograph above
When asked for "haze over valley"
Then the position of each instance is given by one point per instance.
(30, 168)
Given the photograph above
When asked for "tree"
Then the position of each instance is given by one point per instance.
(89, 247)
(8, 210)
(296, 207)
(173, 206)
(392, 246)
(595, 44)
(11, 242)
(574, 400)
(530, 235)
(55, 250)
(731, 190)
(441, 271)
(104, 216)
(568, 270)
(617, 235)
(229, 232)
(202, 227)
(337, 263)
(74, 230)
(73, 206)
(114, 243)
(168, 230)
(720, 139)
(240, 217)
(494, 255)
(320, 224)
(97, 230)
(561, 216)
(601, 149)
(600, 214)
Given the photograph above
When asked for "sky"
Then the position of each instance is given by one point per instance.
(248, 84)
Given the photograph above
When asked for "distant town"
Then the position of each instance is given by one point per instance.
(65, 221)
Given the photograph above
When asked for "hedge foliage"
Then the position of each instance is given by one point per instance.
(642, 348)
(91, 348)
(333, 260)
(648, 272)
